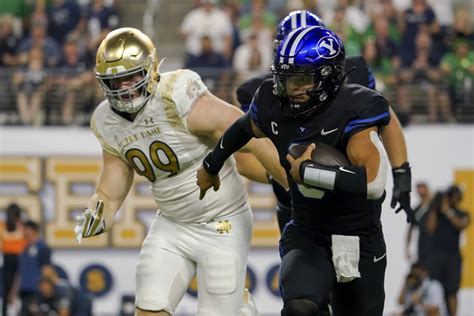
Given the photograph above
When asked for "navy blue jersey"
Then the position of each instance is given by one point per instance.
(353, 109)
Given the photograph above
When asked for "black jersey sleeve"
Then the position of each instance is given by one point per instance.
(246, 91)
(359, 72)
(372, 110)
(262, 102)
(253, 111)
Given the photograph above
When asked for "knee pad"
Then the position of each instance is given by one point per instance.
(222, 272)
(300, 307)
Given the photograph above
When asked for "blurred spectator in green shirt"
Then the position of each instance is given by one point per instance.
(258, 8)
(458, 66)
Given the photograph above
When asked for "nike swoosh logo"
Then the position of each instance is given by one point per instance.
(324, 133)
(379, 258)
(220, 145)
(207, 164)
(345, 170)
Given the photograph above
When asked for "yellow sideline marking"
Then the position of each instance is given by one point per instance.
(128, 234)
(13, 168)
(64, 234)
(81, 168)
(465, 178)
(265, 233)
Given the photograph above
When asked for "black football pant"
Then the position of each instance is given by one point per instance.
(283, 214)
(284, 217)
(307, 274)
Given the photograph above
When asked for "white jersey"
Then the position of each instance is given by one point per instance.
(159, 146)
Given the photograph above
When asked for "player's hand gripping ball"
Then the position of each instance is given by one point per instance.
(319, 153)
(322, 154)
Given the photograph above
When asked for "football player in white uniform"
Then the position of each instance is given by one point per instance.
(162, 126)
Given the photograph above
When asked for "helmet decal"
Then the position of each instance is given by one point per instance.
(328, 47)
(294, 38)
(115, 69)
(296, 19)
(302, 20)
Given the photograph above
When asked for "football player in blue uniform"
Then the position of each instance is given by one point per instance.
(357, 72)
(334, 243)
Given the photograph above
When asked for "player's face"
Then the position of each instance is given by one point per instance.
(126, 82)
(297, 87)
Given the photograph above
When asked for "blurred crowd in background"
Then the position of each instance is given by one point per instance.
(30, 284)
(422, 55)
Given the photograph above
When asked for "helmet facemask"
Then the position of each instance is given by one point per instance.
(304, 90)
(130, 99)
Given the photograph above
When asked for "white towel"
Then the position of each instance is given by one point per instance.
(345, 257)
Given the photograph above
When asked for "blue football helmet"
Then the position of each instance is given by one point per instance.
(294, 20)
(309, 58)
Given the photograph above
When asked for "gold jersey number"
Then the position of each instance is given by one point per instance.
(140, 162)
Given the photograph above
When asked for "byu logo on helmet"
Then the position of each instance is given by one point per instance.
(328, 47)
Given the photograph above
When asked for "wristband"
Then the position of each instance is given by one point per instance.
(210, 165)
(349, 179)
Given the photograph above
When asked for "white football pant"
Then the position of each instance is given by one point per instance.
(174, 252)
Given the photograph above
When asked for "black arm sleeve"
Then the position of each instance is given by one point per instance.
(234, 138)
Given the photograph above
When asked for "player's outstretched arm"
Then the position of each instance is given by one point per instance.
(249, 167)
(267, 155)
(114, 184)
(231, 130)
(394, 141)
(395, 145)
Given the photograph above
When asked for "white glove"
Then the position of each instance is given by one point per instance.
(90, 222)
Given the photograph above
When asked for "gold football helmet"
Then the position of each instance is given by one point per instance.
(127, 53)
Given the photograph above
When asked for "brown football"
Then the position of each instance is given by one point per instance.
(323, 154)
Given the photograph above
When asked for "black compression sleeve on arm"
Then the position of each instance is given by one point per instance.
(348, 179)
(234, 138)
